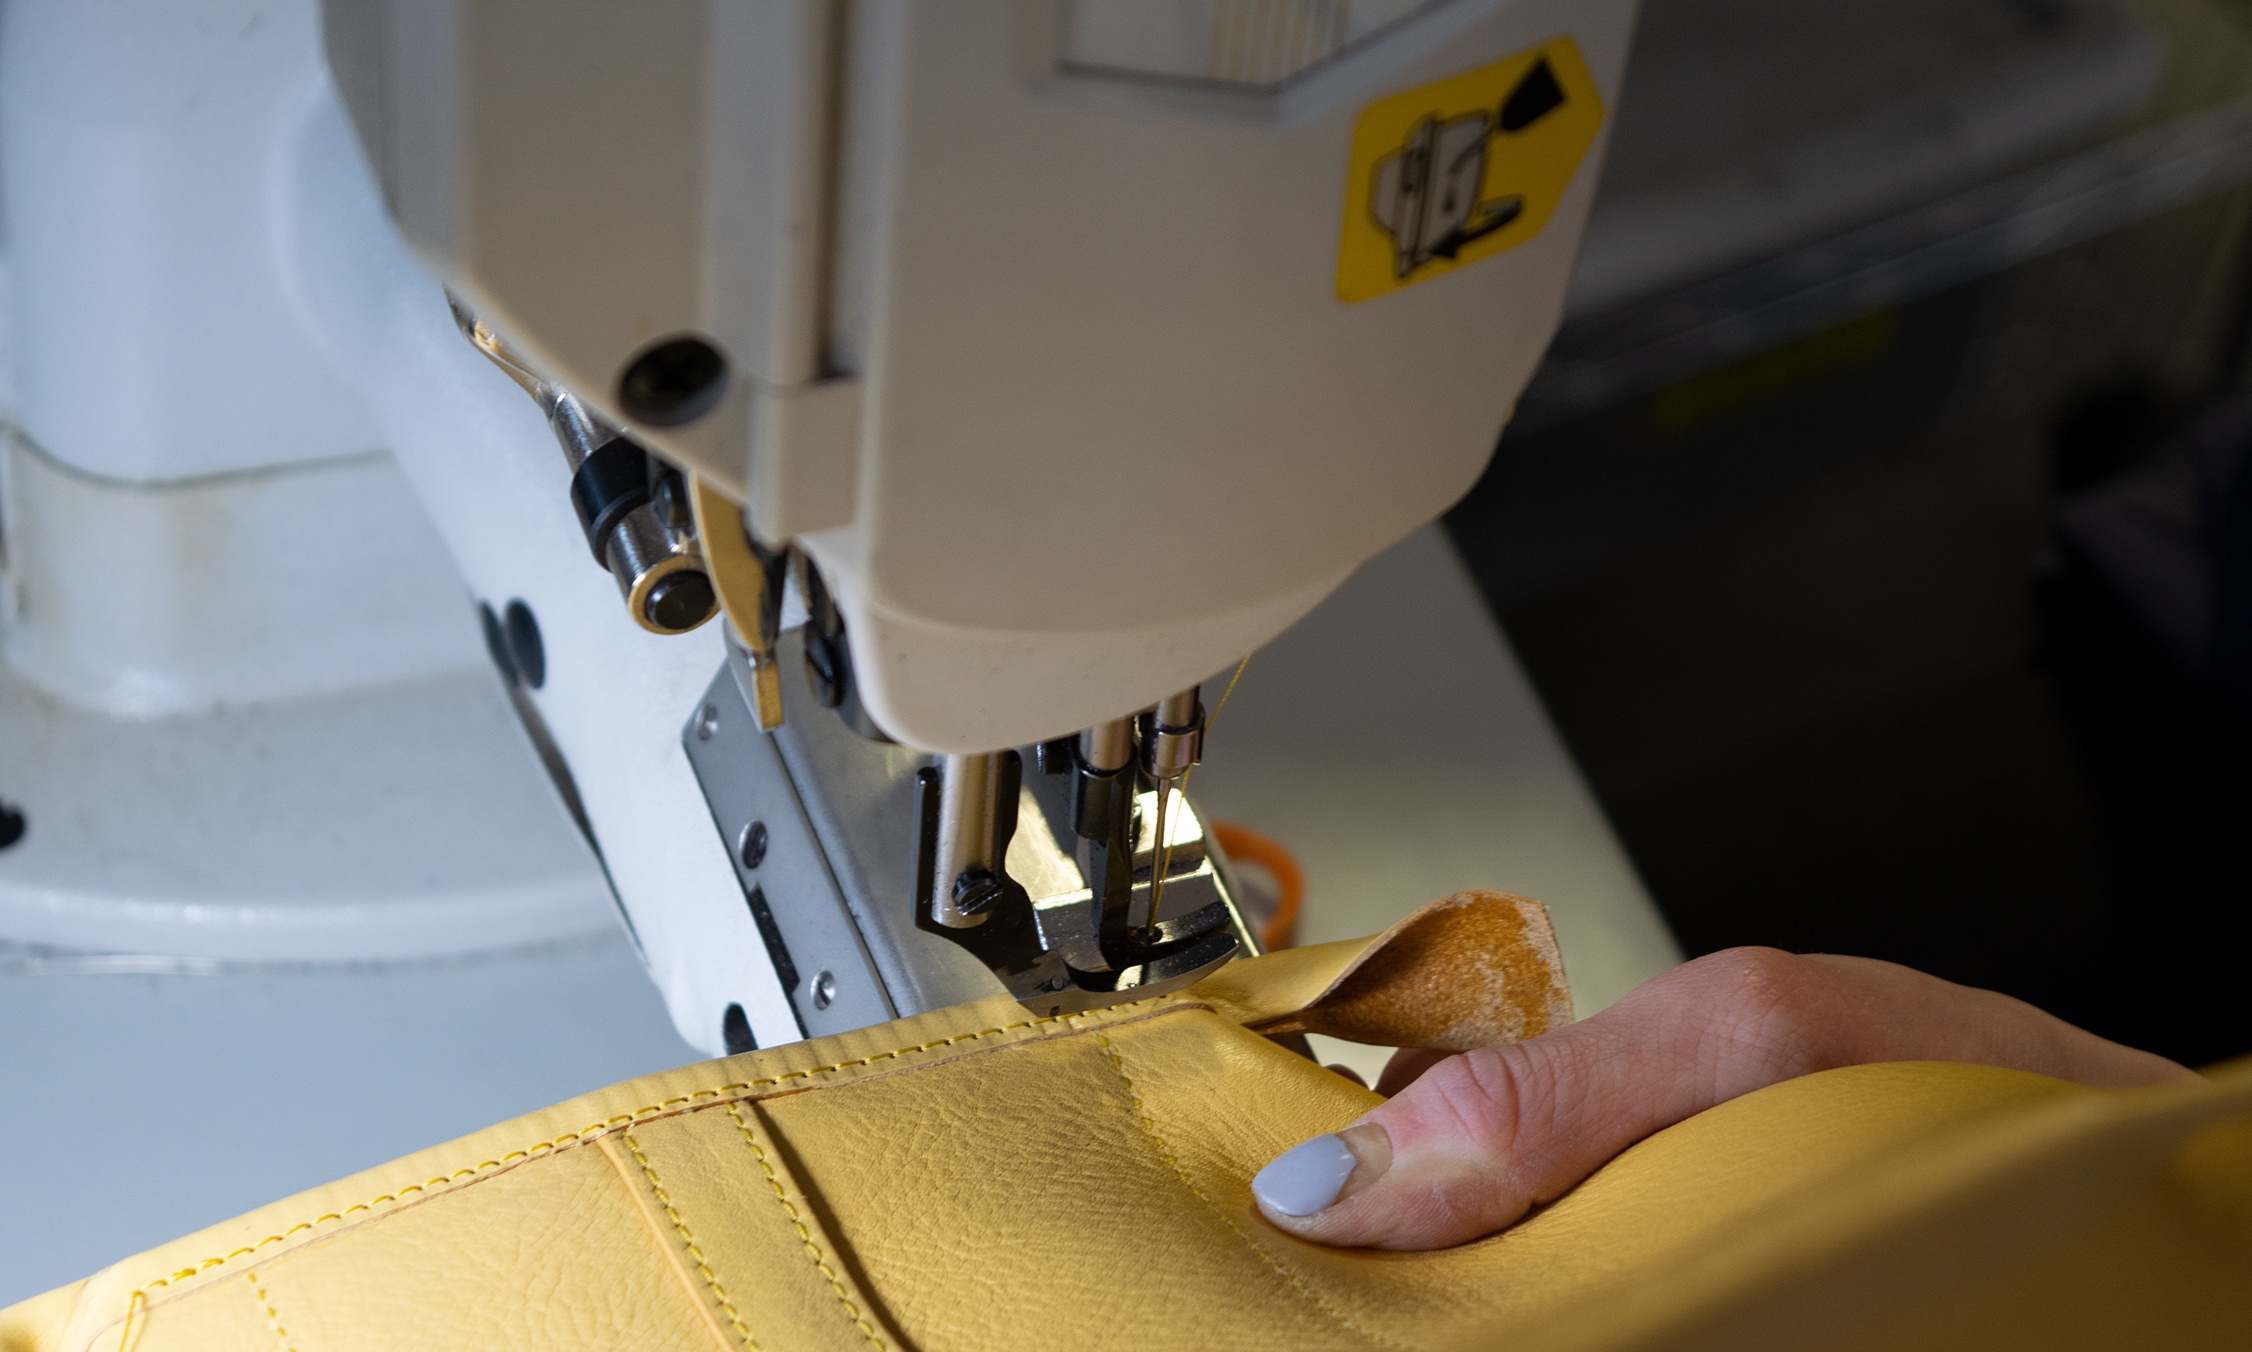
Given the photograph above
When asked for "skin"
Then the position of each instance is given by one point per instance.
(1469, 1143)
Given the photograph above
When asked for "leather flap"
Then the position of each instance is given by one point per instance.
(1468, 971)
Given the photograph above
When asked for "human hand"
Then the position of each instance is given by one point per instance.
(1470, 1142)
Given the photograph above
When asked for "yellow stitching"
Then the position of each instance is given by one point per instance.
(1149, 1128)
(805, 1237)
(719, 1292)
(597, 1129)
(281, 1335)
(137, 1301)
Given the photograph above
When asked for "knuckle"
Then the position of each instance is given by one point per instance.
(1767, 1008)
(1473, 1099)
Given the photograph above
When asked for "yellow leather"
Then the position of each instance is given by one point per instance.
(979, 1178)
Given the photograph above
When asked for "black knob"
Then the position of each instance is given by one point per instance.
(677, 381)
(678, 602)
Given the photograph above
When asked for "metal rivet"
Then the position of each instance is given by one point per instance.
(707, 723)
(824, 990)
(751, 848)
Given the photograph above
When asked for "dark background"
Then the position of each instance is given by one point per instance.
(1808, 623)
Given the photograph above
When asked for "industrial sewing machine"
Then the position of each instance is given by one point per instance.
(948, 392)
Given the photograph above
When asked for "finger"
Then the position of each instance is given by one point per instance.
(1478, 1139)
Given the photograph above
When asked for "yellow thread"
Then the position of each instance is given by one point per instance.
(805, 1237)
(1164, 846)
(581, 1136)
(137, 1301)
(680, 1226)
(138, 1298)
(1149, 1128)
(281, 1335)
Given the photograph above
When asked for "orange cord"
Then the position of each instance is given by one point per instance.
(1241, 842)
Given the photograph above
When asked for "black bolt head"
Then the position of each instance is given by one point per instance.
(680, 601)
(975, 890)
(676, 381)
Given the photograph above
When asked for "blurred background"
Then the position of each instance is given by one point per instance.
(1877, 530)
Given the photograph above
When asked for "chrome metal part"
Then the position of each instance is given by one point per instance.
(1065, 908)
(660, 575)
(832, 980)
(577, 431)
(1176, 742)
(643, 530)
(1177, 735)
(833, 836)
(1108, 746)
(862, 799)
(872, 809)
(1070, 931)
(971, 873)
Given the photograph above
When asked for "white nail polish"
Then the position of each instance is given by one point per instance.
(1305, 1178)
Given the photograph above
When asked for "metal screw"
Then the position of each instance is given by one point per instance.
(975, 890)
(675, 381)
(751, 849)
(707, 723)
(824, 990)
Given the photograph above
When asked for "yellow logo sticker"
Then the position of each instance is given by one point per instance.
(1463, 168)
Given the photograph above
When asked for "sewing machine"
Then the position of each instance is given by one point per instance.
(871, 433)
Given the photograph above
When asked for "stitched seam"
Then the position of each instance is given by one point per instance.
(1297, 1283)
(805, 1237)
(273, 1320)
(680, 1227)
(137, 1301)
(593, 1131)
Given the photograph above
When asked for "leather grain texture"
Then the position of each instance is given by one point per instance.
(977, 1178)
(1472, 970)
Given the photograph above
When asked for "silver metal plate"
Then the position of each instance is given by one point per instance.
(833, 984)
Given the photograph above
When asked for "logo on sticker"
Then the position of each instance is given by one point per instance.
(1463, 168)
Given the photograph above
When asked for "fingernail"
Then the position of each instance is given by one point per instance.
(1305, 1178)
(1312, 1174)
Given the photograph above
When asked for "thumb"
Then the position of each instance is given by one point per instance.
(1480, 1138)
(1470, 1146)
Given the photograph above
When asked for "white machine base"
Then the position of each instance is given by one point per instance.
(408, 820)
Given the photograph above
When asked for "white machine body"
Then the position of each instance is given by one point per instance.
(1035, 344)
